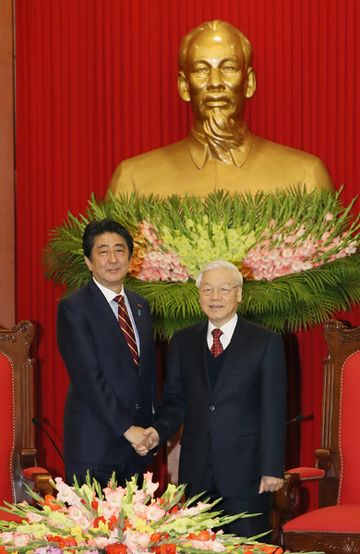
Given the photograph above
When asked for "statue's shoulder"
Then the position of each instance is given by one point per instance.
(163, 153)
(268, 147)
(297, 166)
(152, 172)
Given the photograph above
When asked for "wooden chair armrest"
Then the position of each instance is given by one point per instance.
(287, 499)
(324, 458)
(286, 504)
(43, 486)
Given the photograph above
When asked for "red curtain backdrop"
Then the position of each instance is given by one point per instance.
(96, 83)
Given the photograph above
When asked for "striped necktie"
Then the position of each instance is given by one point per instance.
(127, 328)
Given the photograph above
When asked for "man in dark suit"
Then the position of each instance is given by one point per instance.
(226, 384)
(106, 340)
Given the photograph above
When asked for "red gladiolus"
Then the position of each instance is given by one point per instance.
(99, 519)
(127, 524)
(116, 548)
(168, 548)
(112, 522)
(155, 537)
(62, 541)
(164, 548)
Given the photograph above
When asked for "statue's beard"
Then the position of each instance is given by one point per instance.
(222, 133)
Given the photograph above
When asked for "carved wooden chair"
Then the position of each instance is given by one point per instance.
(17, 440)
(335, 526)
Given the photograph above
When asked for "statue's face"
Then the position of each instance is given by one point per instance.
(216, 75)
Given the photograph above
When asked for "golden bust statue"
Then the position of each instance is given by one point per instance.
(216, 76)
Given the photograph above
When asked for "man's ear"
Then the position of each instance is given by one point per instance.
(88, 263)
(250, 86)
(183, 87)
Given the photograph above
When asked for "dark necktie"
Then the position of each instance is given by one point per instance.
(216, 348)
(127, 328)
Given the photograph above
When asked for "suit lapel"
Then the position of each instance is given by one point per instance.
(102, 310)
(199, 352)
(136, 310)
(106, 318)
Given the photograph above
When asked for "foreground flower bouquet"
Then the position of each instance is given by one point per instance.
(119, 520)
(298, 251)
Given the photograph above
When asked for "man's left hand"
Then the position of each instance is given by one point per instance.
(270, 484)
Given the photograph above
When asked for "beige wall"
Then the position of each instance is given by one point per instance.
(7, 217)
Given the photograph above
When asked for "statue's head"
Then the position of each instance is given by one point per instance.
(215, 71)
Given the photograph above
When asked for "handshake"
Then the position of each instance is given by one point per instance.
(142, 440)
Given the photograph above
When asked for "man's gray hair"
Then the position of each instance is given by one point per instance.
(221, 264)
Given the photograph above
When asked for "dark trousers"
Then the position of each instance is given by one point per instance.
(135, 465)
(243, 527)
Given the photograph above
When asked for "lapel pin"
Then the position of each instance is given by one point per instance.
(139, 306)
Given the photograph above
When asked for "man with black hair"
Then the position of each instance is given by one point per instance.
(106, 340)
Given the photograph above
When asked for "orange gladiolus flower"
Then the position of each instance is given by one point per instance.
(50, 501)
(201, 536)
(62, 541)
(115, 549)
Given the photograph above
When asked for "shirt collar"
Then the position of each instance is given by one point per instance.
(228, 328)
(108, 293)
(200, 151)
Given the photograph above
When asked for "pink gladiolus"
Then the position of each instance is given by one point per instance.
(99, 542)
(148, 485)
(21, 539)
(154, 512)
(148, 231)
(136, 542)
(162, 266)
(114, 497)
(7, 537)
(66, 493)
(78, 516)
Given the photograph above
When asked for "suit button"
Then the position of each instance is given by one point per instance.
(211, 407)
(207, 434)
(137, 406)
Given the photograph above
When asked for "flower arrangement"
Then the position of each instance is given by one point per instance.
(298, 252)
(120, 520)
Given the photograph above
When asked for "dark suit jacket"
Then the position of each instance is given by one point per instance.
(107, 394)
(241, 423)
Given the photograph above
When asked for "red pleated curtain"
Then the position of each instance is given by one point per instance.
(96, 83)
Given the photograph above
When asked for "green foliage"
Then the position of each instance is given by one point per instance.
(286, 303)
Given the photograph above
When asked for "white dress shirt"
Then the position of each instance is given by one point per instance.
(228, 330)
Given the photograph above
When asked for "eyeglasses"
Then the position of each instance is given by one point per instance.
(223, 291)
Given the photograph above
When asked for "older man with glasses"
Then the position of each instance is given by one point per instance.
(226, 383)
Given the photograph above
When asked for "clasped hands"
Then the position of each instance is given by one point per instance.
(142, 440)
